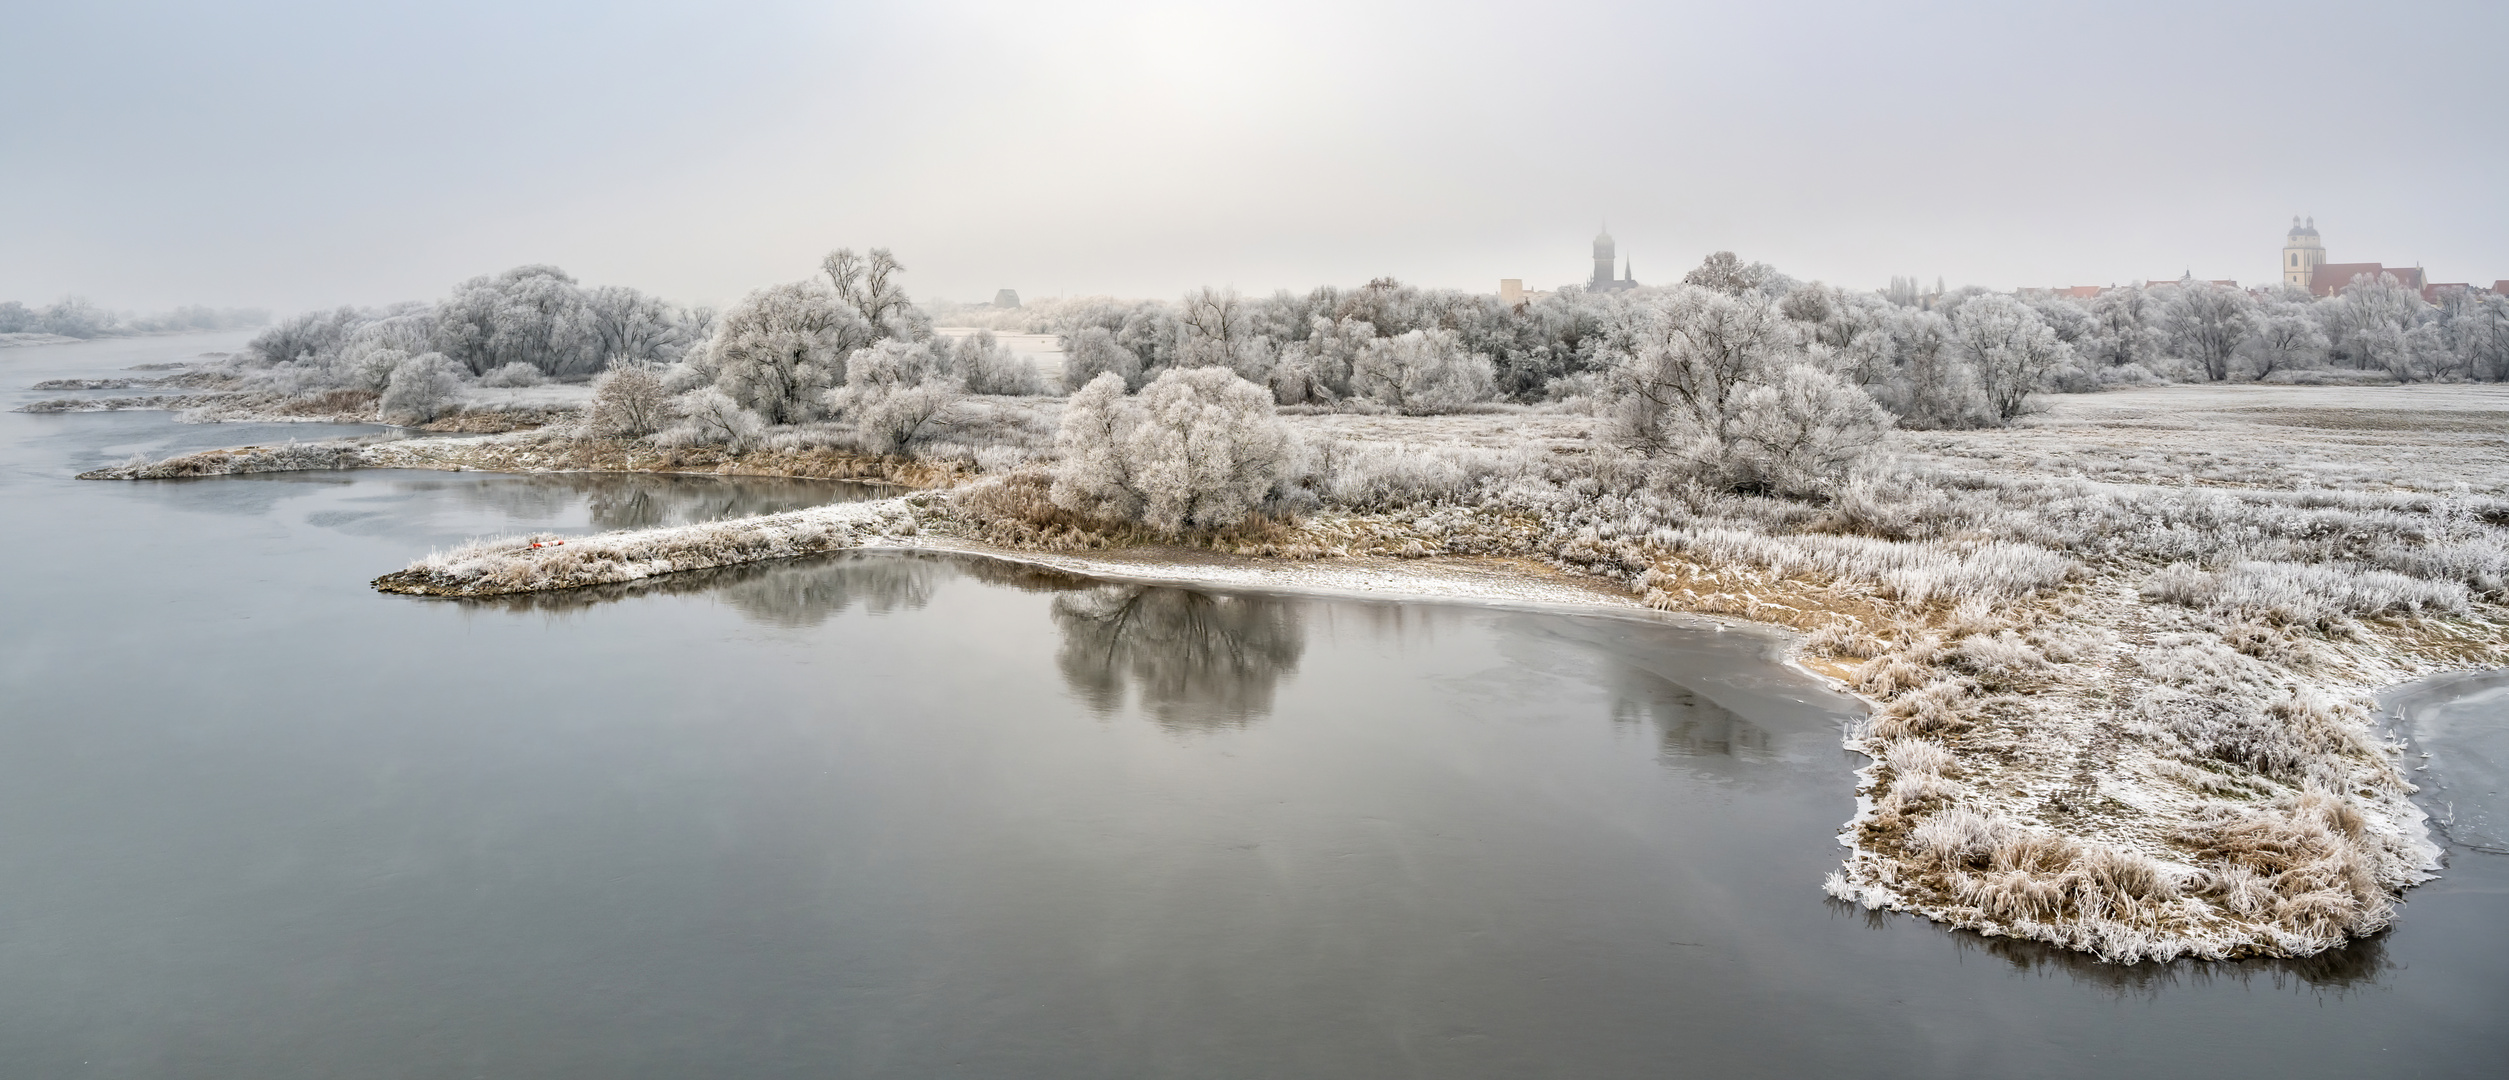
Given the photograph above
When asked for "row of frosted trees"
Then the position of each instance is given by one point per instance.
(1429, 350)
(77, 318)
(850, 344)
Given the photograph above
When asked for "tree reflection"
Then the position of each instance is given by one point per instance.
(639, 502)
(1688, 724)
(1199, 661)
(802, 593)
(797, 596)
(646, 500)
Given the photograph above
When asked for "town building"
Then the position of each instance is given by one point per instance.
(1602, 281)
(2302, 254)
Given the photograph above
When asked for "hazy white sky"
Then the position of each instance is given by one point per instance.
(293, 155)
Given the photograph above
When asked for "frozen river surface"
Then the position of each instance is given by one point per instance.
(893, 816)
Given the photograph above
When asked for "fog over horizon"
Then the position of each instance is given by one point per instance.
(293, 155)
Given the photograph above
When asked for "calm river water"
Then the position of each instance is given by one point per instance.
(912, 817)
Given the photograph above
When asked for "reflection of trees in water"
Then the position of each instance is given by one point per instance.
(798, 596)
(1199, 661)
(645, 500)
(689, 499)
(1689, 725)
(802, 593)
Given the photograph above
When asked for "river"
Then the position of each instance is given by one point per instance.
(889, 815)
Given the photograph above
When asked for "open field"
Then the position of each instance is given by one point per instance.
(2367, 438)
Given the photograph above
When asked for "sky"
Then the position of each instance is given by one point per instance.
(300, 155)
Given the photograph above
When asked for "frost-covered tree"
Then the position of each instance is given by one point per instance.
(421, 389)
(869, 285)
(1217, 327)
(2285, 337)
(364, 366)
(896, 392)
(1932, 386)
(2011, 350)
(2481, 328)
(2371, 321)
(312, 336)
(629, 326)
(2071, 322)
(1421, 372)
(528, 315)
(1683, 355)
(1725, 272)
(1333, 348)
(783, 346)
(2122, 329)
(1093, 351)
(628, 400)
(1200, 448)
(985, 366)
(69, 317)
(2207, 322)
(1298, 377)
(1719, 388)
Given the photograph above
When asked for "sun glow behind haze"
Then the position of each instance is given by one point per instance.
(292, 155)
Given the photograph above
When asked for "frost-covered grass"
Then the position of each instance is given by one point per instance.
(537, 562)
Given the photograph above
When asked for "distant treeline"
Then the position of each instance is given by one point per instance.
(77, 318)
(1927, 357)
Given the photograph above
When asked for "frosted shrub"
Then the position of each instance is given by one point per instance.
(513, 375)
(1092, 352)
(421, 389)
(1200, 448)
(1095, 474)
(1804, 431)
(1421, 372)
(895, 392)
(710, 417)
(628, 400)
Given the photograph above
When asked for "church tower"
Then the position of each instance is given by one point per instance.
(2302, 254)
(1602, 263)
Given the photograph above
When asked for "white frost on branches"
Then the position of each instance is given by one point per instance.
(1200, 448)
(783, 346)
(1421, 372)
